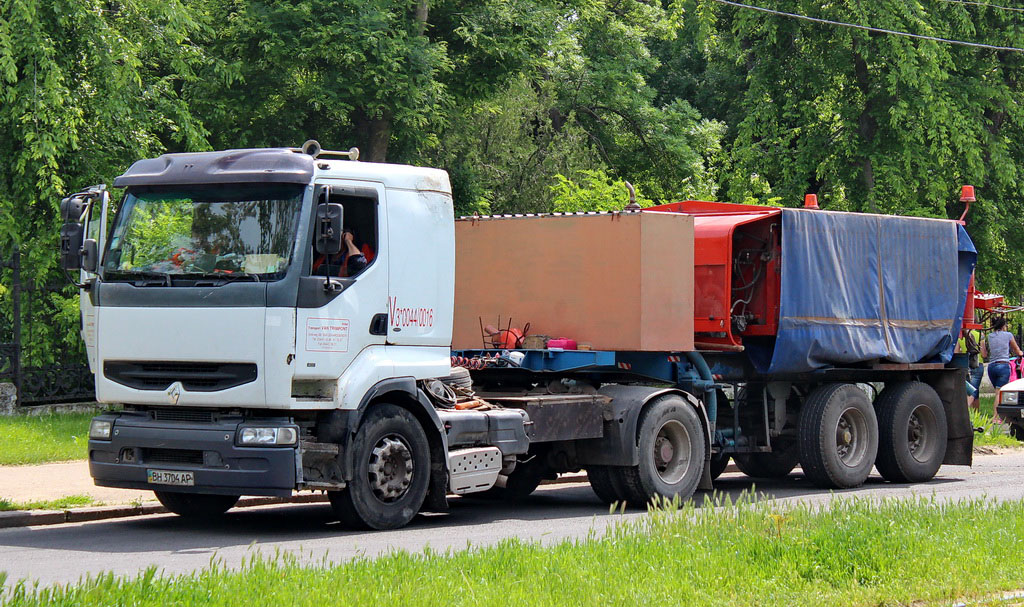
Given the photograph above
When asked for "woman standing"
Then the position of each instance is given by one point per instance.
(996, 349)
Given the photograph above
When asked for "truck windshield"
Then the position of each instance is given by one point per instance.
(241, 231)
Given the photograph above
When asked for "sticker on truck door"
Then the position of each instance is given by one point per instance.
(327, 335)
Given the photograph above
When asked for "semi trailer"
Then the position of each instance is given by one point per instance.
(247, 354)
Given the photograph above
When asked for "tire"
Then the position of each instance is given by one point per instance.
(523, 481)
(196, 505)
(391, 471)
(671, 445)
(838, 436)
(777, 464)
(719, 462)
(460, 377)
(1017, 431)
(911, 432)
(606, 483)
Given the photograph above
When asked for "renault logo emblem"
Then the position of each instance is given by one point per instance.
(174, 392)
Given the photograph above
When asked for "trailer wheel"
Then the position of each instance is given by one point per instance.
(606, 481)
(196, 505)
(671, 446)
(838, 436)
(777, 464)
(719, 462)
(912, 432)
(391, 471)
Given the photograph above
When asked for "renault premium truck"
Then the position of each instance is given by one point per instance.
(276, 320)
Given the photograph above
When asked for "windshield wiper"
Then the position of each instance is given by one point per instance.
(216, 279)
(141, 278)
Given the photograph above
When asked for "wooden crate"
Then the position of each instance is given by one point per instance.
(618, 281)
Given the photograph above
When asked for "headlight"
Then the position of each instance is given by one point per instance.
(1008, 398)
(267, 436)
(99, 429)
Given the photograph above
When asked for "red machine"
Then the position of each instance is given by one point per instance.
(736, 271)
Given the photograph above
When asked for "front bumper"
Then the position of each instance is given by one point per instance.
(1012, 414)
(207, 449)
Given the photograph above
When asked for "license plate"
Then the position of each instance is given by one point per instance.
(171, 477)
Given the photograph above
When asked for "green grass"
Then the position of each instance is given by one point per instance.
(70, 501)
(855, 553)
(993, 435)
(36, 439)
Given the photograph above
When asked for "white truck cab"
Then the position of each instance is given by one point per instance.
(211, 266)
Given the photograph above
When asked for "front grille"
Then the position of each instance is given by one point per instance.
(194, 377)
(183, 415)
(172, 456)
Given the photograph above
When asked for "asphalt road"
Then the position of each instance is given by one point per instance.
(66, 553)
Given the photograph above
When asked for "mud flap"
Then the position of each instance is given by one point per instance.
(951, 386)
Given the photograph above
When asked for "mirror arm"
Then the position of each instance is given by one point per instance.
(85, 286)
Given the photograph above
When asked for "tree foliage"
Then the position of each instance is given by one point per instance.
(875, 122)
(87, 87)
(533, 105)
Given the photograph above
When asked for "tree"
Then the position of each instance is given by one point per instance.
(380, 75)
(876, 122)
(88, 86)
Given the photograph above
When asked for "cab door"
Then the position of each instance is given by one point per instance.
(336, 327)
(96, 229)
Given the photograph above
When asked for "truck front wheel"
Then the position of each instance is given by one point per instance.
(671, 446)
(912, 432)
(196, 505)
(838, 436)
(391, 466)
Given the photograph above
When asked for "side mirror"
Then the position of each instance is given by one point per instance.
(328, 228)
(72, 208)
(71, 235)
(90, 255)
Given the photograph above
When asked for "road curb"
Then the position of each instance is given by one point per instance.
(32, 518)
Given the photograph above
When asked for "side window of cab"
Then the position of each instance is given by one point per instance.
(360, 241)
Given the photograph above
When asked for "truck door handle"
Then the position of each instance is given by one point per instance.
(379, 324)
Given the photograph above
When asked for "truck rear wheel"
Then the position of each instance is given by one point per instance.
(391, 464)
(912, 432)
(196, 505)
(522, 482)
(606, 481)
(671, 446)
(838, 436)
(777, 464)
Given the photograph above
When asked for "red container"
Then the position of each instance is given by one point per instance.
(562, 343)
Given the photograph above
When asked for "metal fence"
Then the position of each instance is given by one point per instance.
(41, 352)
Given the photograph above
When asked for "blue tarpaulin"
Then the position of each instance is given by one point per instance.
(856, 288)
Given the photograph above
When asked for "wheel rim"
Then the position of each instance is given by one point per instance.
(921, 429)
(672, 452)
(391, 468)
(852, 437)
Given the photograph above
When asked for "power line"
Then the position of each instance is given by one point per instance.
(985, 4)
(872, 29)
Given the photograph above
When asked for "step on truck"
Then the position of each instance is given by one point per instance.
(276, 320)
